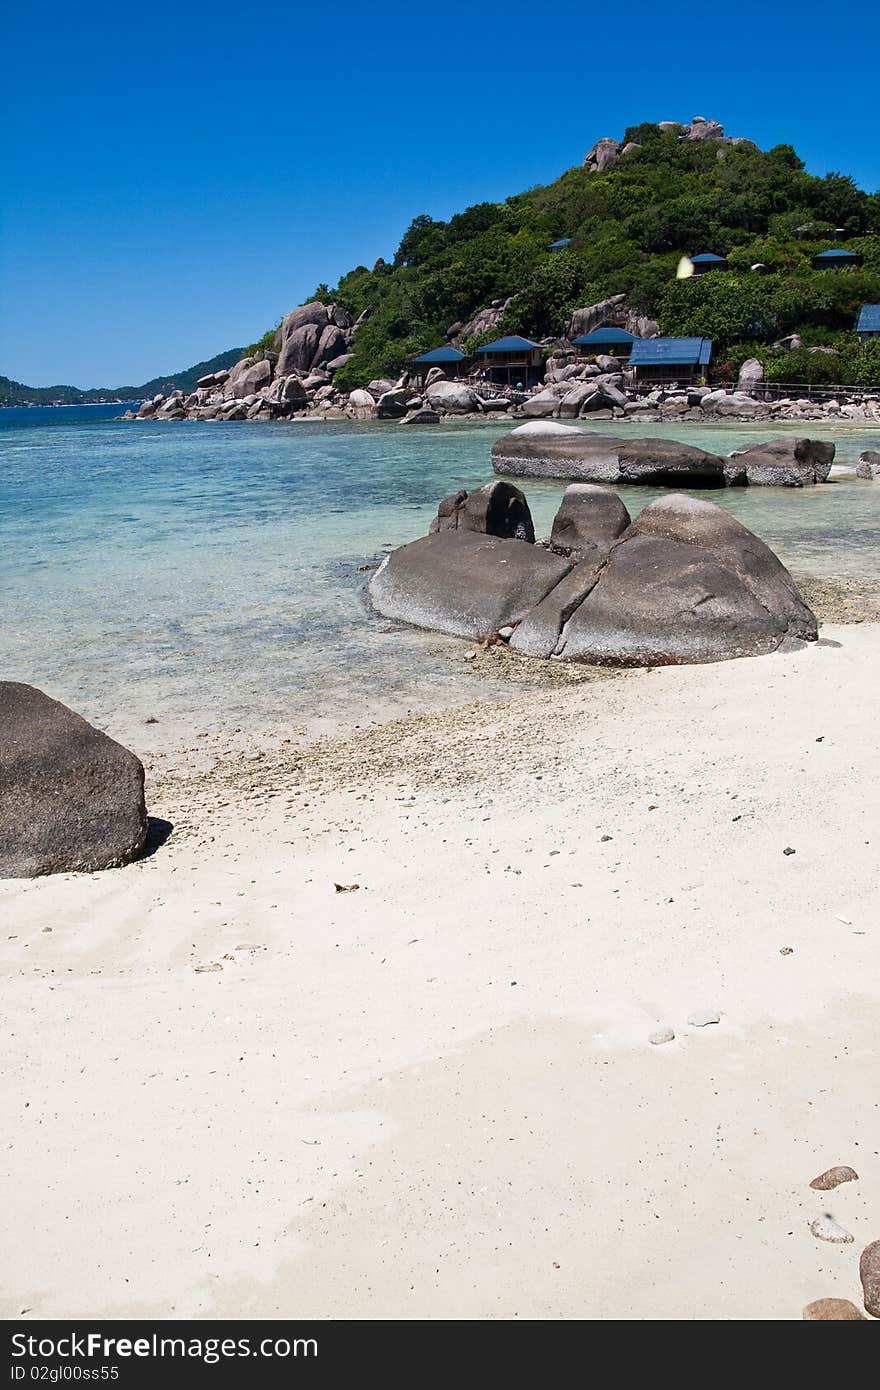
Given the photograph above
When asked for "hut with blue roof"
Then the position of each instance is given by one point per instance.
(513, 360)
(450, 360)
(868, 323)
(560, 245)
(656, 360)
(838, 258)
(706, 261)
(614, 342)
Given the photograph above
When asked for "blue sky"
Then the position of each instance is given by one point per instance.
(175, 179)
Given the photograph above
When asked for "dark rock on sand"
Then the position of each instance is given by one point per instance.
(496, 509)
(686, 583)
(869, 1273)
(72, 799)
(833, 1310)
(464, 583)
(783, 462)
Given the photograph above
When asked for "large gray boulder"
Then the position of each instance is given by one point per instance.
(686, 583)
(549, 450)
(495, 509)
(463, 583)
(70, 798)
(451, 398)
(314, 313)
(247, 377)
(299, 348)
(750, 374)
(783, 462)
(604, 153)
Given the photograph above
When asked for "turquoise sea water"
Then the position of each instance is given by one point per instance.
(210, 573)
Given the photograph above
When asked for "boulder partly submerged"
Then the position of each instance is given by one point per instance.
(684, 583)
(783, 462)
(72, 799)
(549, 449)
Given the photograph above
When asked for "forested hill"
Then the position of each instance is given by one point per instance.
(14, 393)
(667, 195)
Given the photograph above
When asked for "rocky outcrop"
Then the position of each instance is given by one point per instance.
(783, 462)
(550, 450)
(72, 799)
(683, 583)
(604, 153)
(484, 321)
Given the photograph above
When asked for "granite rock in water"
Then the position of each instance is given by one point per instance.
(589, 518)
(70, 798)
(546, 449)
(783, 462)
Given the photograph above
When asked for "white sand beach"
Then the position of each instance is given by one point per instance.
(434, 1096)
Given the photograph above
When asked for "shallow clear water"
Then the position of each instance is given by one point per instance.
(210, 572)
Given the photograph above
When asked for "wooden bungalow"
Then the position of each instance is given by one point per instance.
(838, 258)
(868, 325)
(451, 361)
(706, 261)
(656, 360)
(614, 342)
(514, 360)
(561, 245)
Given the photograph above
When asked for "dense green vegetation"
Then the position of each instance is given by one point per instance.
(630, 225)
(14, 393)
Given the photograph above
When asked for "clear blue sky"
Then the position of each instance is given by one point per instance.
(177, 177)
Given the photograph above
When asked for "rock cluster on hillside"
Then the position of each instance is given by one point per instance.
(607, 151)
(683, 583)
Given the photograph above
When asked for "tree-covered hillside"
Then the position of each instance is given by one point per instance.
(14, 393)
(629, 226)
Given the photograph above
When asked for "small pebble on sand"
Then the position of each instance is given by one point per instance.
(662, 1035)
(833, 1177)
(824, 1227)
(702, 1017)
(833, 1310)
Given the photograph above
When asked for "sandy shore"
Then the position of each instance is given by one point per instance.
(231, 1089)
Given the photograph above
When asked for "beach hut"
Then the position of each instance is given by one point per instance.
(868, 325)
(655, 360)
(513, 360)
(706, 261)
(615, 342)
(449, 359)
(560, 245)
(838, 258)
